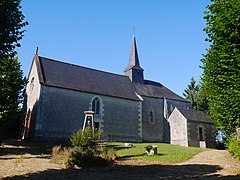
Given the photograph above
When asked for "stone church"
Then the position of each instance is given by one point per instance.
(127, 107)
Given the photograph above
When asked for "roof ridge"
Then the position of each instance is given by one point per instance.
(181, 108)
(58, 61)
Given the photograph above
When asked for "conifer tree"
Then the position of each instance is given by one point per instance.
(191, 92)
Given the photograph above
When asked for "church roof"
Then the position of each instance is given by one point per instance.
(156, 90)
(69, 76)
(194, 115)
(133, 58)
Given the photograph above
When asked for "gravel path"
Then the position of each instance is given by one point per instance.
(207, 164)
(221, 158)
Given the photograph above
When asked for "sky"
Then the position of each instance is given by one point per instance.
(98, 34)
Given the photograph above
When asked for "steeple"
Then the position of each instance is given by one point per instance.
(133, 70)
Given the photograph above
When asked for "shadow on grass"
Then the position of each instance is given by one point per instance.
(137, 155)
(131, 172)
(118, 147)
(130, 156)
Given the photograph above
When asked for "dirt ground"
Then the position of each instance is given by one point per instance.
(18, 161)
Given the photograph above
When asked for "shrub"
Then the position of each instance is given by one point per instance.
(233, 146)
(84, 152)
(107, 153)
(85, 139)
(59, 154)
(84, 158)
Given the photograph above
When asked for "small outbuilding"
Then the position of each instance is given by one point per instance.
(191, 128)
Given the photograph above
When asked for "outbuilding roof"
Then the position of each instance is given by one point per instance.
(69, 76)
(194, 115)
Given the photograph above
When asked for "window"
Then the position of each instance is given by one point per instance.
(151, 117)
(31, 85)
(96, 106)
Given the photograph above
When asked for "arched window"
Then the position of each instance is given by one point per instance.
(96, 106)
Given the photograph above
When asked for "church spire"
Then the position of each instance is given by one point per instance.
(134, 70)
(133, 58)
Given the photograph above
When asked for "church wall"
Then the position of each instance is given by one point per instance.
(152, 131)
(121, 120)
(179, 104)
(32, 94)
(62, 113)
(32, 88)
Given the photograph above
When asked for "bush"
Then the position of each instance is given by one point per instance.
(80, 157)
(107, 153)
(59, 154)
(85, 139)
(85, 158)
(84, 152)
(233, 146)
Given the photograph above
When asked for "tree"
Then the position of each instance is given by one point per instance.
(11, 23)
(195, 92)
(11, 83)
(191, 92)
(11, 75)
(201, 99)
(221, 63)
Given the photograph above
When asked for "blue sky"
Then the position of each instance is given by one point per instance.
(98, 34)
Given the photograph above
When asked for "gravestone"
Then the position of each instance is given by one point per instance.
(202, 144)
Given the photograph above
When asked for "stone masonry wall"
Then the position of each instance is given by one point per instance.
(62, 113)
(31, 101)
(152, 131)
(193, 134)
(178, 129)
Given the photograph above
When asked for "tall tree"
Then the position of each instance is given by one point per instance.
(201, 99)
(191, 92)
(221, 63)
(11, 75)
(11, 23)
(11, 83)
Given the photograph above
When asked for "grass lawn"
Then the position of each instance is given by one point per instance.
(166, 153)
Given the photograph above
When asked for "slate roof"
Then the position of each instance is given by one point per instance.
(69, 76)
(156, 90)
(194, 115)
